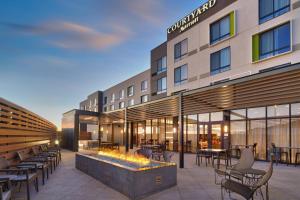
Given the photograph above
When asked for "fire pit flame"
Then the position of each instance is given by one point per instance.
(136, 159)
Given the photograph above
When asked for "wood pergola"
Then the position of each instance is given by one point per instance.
(277, 86)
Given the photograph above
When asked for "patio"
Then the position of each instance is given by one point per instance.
(193, 183)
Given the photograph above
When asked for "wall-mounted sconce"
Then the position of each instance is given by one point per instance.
(174, 130)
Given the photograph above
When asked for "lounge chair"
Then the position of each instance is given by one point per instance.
(20, 173)
(41, 163)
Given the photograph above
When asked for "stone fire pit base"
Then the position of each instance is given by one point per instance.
(134, 183)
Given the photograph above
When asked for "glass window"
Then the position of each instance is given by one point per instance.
(131, 102)
(295, 109)
(105, 109)
(220, 30)
(278, 110)
(180, 49)
(130, 91)
(220, 61)
(203, 117)
(95, 102)
(275, 41)
(144, 98)
(121, 94)
(278, 132)
(257, 134)
(269, 9)
(216, 116)
(113, 97)
(162, 85)
(257, 112)
(238, 132)
(238, 114)
(162, 64)
(295, 136)
(105, 100)
(144, 85)
(191, 142)
(112, 107)
(121, 105)
(180, 75)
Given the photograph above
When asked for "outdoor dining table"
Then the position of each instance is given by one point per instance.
(212, 152)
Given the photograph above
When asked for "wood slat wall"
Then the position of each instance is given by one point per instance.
(22, 129)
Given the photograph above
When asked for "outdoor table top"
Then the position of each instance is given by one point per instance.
(150, 146)
(212, 150)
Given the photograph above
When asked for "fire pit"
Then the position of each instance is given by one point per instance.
(134, 176)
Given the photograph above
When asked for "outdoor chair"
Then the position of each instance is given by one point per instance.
(20, 173)
(168, 156)
(297, 158)
(5, 189)
(52, 152)
(40, 162)
(246, 161)
(38, 153)
(200, 155)
(247, 191)
(226, 156)
(278, 153)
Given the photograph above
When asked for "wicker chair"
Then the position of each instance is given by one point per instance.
(5, 189)
(246, 161)
(247, 191)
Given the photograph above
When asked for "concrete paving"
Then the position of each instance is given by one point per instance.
(67, 183)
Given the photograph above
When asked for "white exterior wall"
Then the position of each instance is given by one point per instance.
(247, 24)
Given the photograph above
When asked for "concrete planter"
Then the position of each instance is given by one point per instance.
(134, 183)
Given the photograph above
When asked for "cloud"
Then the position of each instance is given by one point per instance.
(148, 10)
(71, 35)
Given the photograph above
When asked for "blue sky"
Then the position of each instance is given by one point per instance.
(54, 53)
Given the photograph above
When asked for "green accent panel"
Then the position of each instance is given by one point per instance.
(232, 23)
(255, 47)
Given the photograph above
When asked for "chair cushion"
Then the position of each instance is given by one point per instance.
(238, 188)
(23, 177)
(6, 195)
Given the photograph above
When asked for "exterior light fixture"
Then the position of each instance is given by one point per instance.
(226, 129)
(56, 142)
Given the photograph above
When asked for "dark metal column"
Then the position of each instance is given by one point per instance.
(126, 132)
(131, 135)
(181, 132)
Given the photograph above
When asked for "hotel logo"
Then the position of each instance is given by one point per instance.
(191, 19)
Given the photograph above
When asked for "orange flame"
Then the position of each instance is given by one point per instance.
(140, 160)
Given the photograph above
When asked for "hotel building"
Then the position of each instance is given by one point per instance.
(228, 74)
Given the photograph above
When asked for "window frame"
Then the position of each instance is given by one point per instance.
(273, 52)
(121, 103)
(146, 95)
(274, 14)
(142, 84)
(128, 89)
(181, 56)
(182, 81)
(162, 89)
(220, 38)
(159, 68)
(220, 68)
(121, 94)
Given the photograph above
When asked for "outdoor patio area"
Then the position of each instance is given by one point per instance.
(193, 182)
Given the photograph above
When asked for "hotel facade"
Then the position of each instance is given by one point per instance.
(228, 74)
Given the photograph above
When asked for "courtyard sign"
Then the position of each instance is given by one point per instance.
(191, 19)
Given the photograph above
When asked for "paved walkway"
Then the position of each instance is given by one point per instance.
(194, 182)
